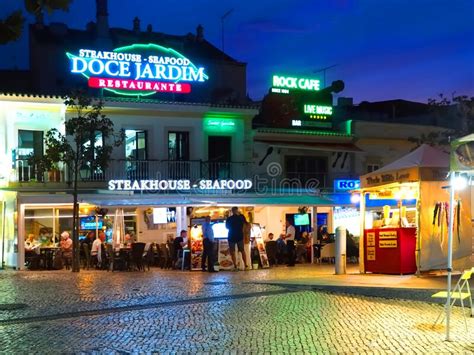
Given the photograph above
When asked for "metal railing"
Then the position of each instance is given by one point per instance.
(140, 170)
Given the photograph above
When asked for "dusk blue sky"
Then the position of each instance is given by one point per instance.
(388, 49)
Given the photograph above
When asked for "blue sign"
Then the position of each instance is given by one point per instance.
(346, 185)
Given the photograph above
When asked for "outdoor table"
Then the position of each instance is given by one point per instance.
(47, 255)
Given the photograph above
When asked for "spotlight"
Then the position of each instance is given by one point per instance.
(355, 198)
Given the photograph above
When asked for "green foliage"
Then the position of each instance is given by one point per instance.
(461, 107)
(11, 27)
(77, 147)
(37, 7)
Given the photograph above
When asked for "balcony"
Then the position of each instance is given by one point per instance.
(139, 170)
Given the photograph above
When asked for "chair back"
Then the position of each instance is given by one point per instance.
(172, 251)
(109, 249)
(271, 248)
(86, 250)
(328, 251)
(137, 250)
(163, 250)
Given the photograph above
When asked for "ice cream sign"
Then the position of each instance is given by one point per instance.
(138, 69)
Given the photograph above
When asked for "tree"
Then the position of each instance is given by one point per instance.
(87, 144)
(11, 27)
(459, 109)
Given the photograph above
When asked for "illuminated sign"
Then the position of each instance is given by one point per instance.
(346, 185)
(138, 69)
(317, 109)
(219, 125)
(178, 185)
(288, 82)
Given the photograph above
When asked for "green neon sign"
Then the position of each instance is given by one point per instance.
(290, 82)
(317, 110)
(220, 122)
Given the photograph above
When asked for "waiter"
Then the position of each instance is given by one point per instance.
(289, 238)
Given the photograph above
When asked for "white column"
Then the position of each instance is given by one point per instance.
(450, 251)
(21, 237)
(361, 238)
(314, 226)
(181, 219)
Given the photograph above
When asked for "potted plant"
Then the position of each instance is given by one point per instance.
(41, 165)
(54, 174)
(255, 259)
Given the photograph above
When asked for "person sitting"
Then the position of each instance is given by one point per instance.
(179, 244)
(66, 249)
(271, 248)
(352, 249)
(31, 243)
(32, 252)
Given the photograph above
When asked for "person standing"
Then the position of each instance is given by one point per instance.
(290, 242)
(235, 226)
(208, 245)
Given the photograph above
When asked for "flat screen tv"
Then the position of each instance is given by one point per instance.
(88, 223)
(220, 231)
(302, 219)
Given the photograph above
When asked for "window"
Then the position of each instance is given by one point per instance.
(136, 154)
(372, 167)
(91, 170)
(305, 168)
(135, 144)
(29, 142)
(178, 145)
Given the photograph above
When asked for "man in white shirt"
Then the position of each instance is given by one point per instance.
(290, 242)
(96, 250)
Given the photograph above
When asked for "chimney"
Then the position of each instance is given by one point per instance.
(199, 33)
(136, 25)
(39, 20)
(102, 18)
(149, 28)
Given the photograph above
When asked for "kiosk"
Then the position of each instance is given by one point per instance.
(413, 236)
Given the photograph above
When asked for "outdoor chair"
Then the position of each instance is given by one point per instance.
(87, 256)
(301, 253)
(328, 251)
(149, 257)
(164, 256)
(271, 248)
(137, 255)
(461, 291)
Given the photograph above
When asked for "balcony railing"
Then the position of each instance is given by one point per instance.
(141, 170)
(174, 170)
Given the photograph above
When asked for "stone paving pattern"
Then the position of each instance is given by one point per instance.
(182, 312)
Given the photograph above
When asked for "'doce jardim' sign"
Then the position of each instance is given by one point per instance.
(138, 69)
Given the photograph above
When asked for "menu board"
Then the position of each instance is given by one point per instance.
(196, 247)
(224, 258)
(257, 233)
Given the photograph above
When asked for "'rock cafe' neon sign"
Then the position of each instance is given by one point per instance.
(147, 68)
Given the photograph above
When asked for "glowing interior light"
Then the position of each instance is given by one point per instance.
(460, 182)
(355, 198)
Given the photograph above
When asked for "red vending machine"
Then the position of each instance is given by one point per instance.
(390, 250)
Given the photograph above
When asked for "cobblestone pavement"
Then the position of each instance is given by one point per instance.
(184, 312)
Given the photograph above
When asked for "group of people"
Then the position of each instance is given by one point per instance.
(62, 256)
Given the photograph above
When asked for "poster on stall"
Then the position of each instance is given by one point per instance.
(257, 234)
(196, 247)
(224, 258)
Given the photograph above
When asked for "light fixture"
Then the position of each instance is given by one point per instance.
(355, 198)
(460, 182)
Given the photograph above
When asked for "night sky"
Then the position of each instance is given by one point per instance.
(388, 49)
